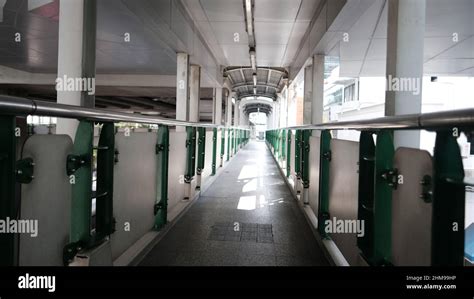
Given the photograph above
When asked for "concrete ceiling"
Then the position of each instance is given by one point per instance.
(366, 23)
(279, 28)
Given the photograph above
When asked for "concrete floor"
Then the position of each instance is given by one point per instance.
(247, 217)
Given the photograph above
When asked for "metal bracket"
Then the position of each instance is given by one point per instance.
(427, 192)
(159, 206)
(391, 176)
(74, 162)
(327, 155)
(70, 251)
(24, 170)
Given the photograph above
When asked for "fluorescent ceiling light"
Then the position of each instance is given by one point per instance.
(254, 79)
(248, 11)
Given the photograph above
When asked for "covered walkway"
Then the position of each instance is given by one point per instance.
(247, 217)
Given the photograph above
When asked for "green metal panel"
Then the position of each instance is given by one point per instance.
(448, 202)
(190, 154)
(288, 153)
(222, 144)
(214, 150)
(298, 138)
(384, 152)
(229, 133)
(82, 188)
(79, 165)
(283, 144)
(201, 150)
(305, 158)
(366, 192)
(105, 181)
(161, 203)
(7, 186)
(325, 159)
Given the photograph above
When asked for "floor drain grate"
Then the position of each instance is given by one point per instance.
(239, 231)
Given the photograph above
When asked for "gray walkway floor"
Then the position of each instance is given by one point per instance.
(247, 217)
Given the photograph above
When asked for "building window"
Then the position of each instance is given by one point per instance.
(349, 93)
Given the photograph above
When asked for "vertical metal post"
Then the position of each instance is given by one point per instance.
(365, 211)
(449, 193)
(324, 166)
(384, 152)
(298, 137)
(161, 202)
(105, 181)
(222, 147)
(7, 186)
(288, 153)
(305, 165)
(214, 150)
(190, 160)
(201, 155)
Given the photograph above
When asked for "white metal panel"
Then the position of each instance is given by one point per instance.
(343, 193)
(314, 157)
(134, 189)
(177, 168)
(47, 200)
(411, 215)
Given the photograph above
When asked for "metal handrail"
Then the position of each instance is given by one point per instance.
(453, 118)
(21, 106)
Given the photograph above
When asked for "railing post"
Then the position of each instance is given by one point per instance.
(305, 165)
(222, 147)
(201, 155)
(161, 202)
(7, 186)
(190, 160)
(376, 175)
(298, 138)
(366, 192)
(288, 153)
(228, 143)
(105, 223)
(324, 166)
(447, 244)
(214, 150)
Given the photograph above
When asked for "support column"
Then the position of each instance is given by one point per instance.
(76, 58)
(317, 90)
(218, 106)
(405, 38)
(270, 118)
(241, 116)
(229, 109)
(182, 88)
(308, 95)
(237, 113)
(194, 88)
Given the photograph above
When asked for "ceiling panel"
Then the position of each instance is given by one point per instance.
(307, 10)
(276, 10)
(273, 33)
(225, 31)
(447, 66)
(237, 55)
(223, 11)
(270, 55)
(461, 49)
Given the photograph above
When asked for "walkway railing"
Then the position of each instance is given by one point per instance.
(136, 179)
(379, 204)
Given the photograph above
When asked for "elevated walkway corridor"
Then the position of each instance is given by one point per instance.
(247, 217)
